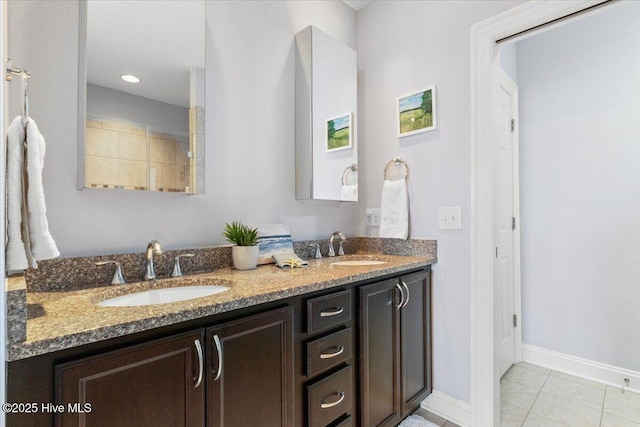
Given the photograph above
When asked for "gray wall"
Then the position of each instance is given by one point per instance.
(110, 103)
(249, 122)
(580, 187)
(405, 46)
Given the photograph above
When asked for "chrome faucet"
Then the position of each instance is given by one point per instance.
(149, 270)
(343, 239)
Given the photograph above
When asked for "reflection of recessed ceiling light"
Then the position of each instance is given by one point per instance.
(130, 78)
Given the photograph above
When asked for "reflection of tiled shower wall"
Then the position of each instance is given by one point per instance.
(118, 155)
(169, 163)
(196, 134)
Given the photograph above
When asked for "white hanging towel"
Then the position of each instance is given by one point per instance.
(28, 233)
(349, 193)
(394, 210)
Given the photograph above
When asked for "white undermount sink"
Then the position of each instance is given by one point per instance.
(359, 262)
(163, 296)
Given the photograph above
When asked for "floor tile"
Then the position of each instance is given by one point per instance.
(578, 380)
(517, 395)
(511, 416)
(574, 392)
(609, 420)
(526, 377)
(450, 424)
(534, 420)
(429, 416)
(565, 412)
(625, 405)
(534, 367)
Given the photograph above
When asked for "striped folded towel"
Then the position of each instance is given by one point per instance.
(289, 259)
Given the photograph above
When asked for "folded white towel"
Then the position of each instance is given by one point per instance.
(349, 193)
(394, 210)
(42, 244)
(28, 237)
(16, 253)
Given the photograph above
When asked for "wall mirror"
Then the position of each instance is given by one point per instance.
(326, 115)
(141, 95)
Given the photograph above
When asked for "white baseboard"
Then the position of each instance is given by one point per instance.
(450, 408)
(583, 368)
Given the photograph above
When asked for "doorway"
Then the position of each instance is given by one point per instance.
(485, 389)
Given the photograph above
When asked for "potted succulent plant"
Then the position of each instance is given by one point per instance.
(245, 251)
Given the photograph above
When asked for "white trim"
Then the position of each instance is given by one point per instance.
(579, 367)
(450, 408)
(3, 294)
(485, 387)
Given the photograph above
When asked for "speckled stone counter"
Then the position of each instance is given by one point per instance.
(63, 319)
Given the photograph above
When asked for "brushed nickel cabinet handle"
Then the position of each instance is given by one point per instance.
(200, 363)
(332, 404)
(334, 354)
(332, 312)
(399, 306)
(407, 289)
(216, 340)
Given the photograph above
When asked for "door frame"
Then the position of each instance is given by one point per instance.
(485, 386)
(3, 296)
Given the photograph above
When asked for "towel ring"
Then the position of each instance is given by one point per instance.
(391, 170)
(350, 171)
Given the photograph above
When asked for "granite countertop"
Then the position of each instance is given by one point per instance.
(65, 319)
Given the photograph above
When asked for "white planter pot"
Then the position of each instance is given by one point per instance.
(245, 257)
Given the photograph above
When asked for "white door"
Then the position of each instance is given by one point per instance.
(504, 218)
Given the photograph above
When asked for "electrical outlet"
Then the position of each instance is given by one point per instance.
(372, 217)
(449, 218)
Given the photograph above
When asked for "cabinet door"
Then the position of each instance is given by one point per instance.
(415, 339)
(153, 384)
(250, 371)
(380, 354)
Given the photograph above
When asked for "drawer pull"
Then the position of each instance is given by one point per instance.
(332, 404)
(200, 363)
(406, 288)
(334, 354)
(332, 312)
(216, 341)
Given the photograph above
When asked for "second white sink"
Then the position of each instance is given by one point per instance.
(359, 262)
(163, 296)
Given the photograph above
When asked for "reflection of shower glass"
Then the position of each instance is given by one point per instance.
(134, 156)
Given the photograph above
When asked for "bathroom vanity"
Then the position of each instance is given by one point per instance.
(331, 345)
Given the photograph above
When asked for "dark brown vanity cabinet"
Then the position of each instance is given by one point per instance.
(395, 354)
(160, 383)
(250, 371)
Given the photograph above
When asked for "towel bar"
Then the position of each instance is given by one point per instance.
(350, 170)
(391, 169)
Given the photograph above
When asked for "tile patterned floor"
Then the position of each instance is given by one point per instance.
(441, 422)
(532, 396)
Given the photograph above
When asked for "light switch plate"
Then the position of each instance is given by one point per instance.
(372, 217)
(449, 218)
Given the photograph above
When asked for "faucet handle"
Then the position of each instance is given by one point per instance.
(341, 249)
(177, 272)
(318, 254)
(332, 251)
(118, 278)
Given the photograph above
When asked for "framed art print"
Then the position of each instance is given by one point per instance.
(416, 112)
(339, 133)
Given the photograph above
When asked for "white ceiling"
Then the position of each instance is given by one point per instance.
(357, 4)
(157, 41)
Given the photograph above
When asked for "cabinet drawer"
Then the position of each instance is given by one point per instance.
(327, 352)
(347, 422)
(328, 311)
(329, 398)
